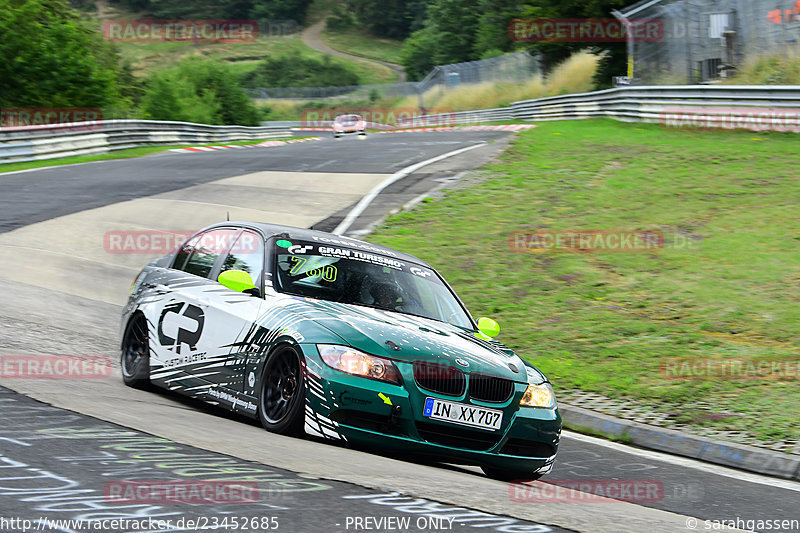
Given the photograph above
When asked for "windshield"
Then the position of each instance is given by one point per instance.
(365, 277)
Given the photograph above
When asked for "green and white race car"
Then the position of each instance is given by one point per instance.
(338, 338)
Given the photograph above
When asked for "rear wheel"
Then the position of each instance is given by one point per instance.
(135, 357)
(504, 474)
(282, 399)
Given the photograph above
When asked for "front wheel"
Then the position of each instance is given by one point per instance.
(282, 399)
(135, 357)
(504, 474)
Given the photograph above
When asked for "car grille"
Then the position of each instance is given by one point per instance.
(438, 378)
(527, 448)
(490, 388)
(470, 439)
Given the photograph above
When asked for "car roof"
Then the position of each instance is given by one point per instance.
(304, 234)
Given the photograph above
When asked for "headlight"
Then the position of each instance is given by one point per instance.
(350, 361)
(541, 395)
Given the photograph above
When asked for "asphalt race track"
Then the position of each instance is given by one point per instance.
(63, 285)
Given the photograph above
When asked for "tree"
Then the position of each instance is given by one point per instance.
(417, 56)
(614, 60)
(492, 36)
(228, 9)
(198, 90)
(395, 19)
(455, 27)
(49, 57)
(294, 70)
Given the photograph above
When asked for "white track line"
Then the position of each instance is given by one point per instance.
(366, 200)
(687, 463)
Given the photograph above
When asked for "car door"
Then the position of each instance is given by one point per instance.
(176, 308)
(200, 320)
(237, 312)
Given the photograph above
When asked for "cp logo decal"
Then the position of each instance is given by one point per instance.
(180, 323)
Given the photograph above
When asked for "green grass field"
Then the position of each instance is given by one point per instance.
(363, 45)
(145, 57)
(725, 287)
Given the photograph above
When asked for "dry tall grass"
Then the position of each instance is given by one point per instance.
(769, 70)
(574, 75)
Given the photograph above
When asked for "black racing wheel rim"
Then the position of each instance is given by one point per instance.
(281, 386)
(135, 346)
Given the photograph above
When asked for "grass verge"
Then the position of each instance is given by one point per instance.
(363, 45)
(724, 287)
(244, 57)
(779, 69)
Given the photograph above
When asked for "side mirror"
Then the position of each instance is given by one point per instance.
(487, 328)
(237, 280)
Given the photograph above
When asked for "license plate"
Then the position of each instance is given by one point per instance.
(459, 413)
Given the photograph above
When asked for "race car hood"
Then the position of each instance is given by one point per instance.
(410, 338)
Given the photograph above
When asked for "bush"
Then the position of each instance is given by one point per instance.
(770, 70)
(340, 20)
(417, 56)
(198, 90)
(50, 57)
(297, 71)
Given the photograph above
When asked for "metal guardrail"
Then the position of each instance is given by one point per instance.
(464, 117)
(761, 108)
(724, 106)
(33, 143)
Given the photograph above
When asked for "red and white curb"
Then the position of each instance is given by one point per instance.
(210, 148)
(194, 149)
(292, 141)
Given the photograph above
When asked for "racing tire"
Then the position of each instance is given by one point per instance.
(281, 400)
(503, 474)
(135, 356)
